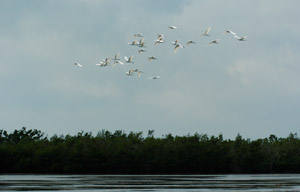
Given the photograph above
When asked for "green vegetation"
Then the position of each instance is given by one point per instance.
(29, 151)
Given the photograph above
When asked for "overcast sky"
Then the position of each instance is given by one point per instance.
(248, 87)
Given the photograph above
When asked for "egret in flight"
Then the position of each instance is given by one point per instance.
(190, 42)
(154, 77)
(117, 62)
(160, 39)
(152, 58)
(78, 64)
(140, 73)
(207, 31)
(177, 46)
(240, 38)
(231, 32)
(116, 58)
(175, 42)
(133, 43)
(216, 41)
(129, 60)
(129, 73)
(141, 51)
(138, 35)
(172, 27)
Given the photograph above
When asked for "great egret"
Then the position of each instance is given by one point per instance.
(207, 31)
(177, 46)
(138, 35)
(129, 60)
(141, 51)
(101, 64)
(152, 58)
(116, 58)
(175, 42)
(156, 41)
(154, 77)
(190, 42)
(172, 27)
(104, 62)
(216, 41)
(160, 39)
(129, 73)
(142, 43)
(118, 62)
(133, 43)
(231, 32)
(140, 73)
(77, 64)
(240, 38)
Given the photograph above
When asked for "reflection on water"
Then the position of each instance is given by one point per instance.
(126, 183)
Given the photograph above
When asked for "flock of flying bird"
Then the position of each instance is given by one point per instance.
(160, 39)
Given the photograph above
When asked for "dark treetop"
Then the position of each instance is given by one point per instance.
(29, 151)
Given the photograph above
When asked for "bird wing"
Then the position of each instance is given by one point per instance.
(237, 37)
(244, 38)
(189, 42)
(233, 33)
(130, 58)
(176, 48)
(207, 30)
(117, 56)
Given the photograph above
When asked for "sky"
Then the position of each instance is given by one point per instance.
(234, 87)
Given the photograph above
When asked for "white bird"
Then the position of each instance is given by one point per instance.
(132, 71)
(216, 41)
(129, 60)
(175, 42)
(118, 62)
(207, 31)
(138, 35)
(141, 51)
(177, 46)
(142, 43)
(156, 41)
(240, 38)
(231, 32)
(172, 27)
(141, 40)
(160, 39)
(154, 77)
(104, 62)
(116, 58)
(77, 64)
(133, 43)
(129, 73)
(190, 42)
(140, 73)
(152, 58)
(160, 36)
(101, 64)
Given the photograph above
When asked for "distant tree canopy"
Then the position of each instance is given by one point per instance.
(29, 151)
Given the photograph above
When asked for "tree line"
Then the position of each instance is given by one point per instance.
(29, 151)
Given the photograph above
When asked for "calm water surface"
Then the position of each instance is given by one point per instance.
(130, 183)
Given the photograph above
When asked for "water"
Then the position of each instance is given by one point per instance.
(156, 183)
